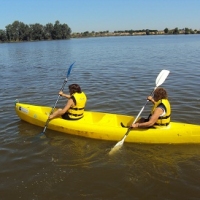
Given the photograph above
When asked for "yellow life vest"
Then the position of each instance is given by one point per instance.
(76, 112)
(165, 119)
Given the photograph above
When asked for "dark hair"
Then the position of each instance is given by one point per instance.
(160, 93)
(73, 88)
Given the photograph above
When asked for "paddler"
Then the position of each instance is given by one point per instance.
(160, 113)
(74, 109)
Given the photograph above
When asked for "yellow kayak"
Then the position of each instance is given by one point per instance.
(107, 126)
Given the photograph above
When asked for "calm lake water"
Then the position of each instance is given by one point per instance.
(117, 74)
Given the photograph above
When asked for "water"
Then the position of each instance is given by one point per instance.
(117, 74)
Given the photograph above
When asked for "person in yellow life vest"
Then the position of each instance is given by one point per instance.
(74, 109)
(160, 113)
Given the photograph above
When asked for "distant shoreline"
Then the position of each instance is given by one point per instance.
(21, 32)
(133, 33)
(113, 34)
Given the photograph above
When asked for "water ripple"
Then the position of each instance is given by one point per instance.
(117, 74)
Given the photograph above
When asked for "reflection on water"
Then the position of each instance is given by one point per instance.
(117, 74)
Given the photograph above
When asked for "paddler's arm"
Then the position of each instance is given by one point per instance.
(158, 111)
(61, 93)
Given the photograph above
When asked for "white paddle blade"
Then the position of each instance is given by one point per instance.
(117, 146)
(161, 77)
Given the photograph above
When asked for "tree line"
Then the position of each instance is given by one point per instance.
(131, 32)
(19, 31)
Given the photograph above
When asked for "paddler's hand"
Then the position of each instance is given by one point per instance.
(150, 98)
(50, 117)
(136, 125)
(61, 93)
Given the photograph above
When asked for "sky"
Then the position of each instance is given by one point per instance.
(104, 15)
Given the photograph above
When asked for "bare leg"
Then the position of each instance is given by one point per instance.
(57, 113)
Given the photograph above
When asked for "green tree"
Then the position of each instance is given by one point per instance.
(17, 31)
(57, 31)
(3, 37)
(187, 31)
(24, 32)
(166, 30)
(176, 31)
(85, 34)
(66, 31)
(48, 29)
(12, 31)
(9, 34)
(36, 32)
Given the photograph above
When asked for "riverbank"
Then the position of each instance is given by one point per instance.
(134, 33)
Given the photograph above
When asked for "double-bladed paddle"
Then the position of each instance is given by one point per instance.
(65, 81)
(159, 81)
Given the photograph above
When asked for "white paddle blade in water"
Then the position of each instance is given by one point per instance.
(117, 146)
